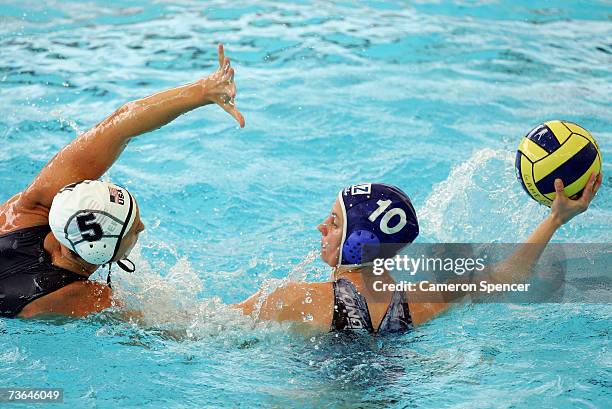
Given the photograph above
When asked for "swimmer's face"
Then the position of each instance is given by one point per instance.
(130, 239)
(331, 235)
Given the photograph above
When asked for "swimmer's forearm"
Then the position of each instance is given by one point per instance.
(527, 255)
(544, 232)
(153, 112)
(519, 266)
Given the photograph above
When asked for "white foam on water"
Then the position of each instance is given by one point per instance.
(480, 201)
(299, 272)
(172, 302)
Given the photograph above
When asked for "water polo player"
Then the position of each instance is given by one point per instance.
(66, 223)
(381, 219)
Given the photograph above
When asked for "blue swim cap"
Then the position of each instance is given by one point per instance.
(377, 216)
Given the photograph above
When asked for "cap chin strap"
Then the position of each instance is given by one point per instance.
(126, 226)
(123, 265)
(129, 220)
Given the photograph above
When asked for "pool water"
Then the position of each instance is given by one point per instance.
(431, 96)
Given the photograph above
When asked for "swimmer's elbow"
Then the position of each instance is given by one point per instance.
(123, 112)
(125, 108)
(248, 306)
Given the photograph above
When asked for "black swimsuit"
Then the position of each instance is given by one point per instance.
(351, 311)
(26, 271)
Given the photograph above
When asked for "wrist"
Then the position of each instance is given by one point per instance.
(555, 220)
(202, 90)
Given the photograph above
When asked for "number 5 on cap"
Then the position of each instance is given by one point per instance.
(90, 230)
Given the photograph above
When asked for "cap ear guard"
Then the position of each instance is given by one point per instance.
(362, 246)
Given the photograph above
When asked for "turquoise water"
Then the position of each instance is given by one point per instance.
(431, 96)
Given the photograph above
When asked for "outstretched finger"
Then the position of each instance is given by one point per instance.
(221, 55)
(231, 109)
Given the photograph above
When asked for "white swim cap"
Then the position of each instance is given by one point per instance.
(91, 218)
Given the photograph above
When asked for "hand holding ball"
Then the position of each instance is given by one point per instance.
(556, 150)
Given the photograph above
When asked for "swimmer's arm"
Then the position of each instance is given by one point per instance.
(515, 269)
(77, 299)
(91, 154)
(308, 303)
(519, 266)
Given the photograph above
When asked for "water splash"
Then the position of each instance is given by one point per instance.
(172, 302)
(477, 191)
(299, 272)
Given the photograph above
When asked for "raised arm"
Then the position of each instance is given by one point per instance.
(519, 266)
(91, 154)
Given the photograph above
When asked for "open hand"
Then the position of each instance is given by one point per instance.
(563, 209)
(219, 87)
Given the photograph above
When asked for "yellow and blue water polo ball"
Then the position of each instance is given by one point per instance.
(556, 150)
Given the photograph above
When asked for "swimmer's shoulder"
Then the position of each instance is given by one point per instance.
(18, 213)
